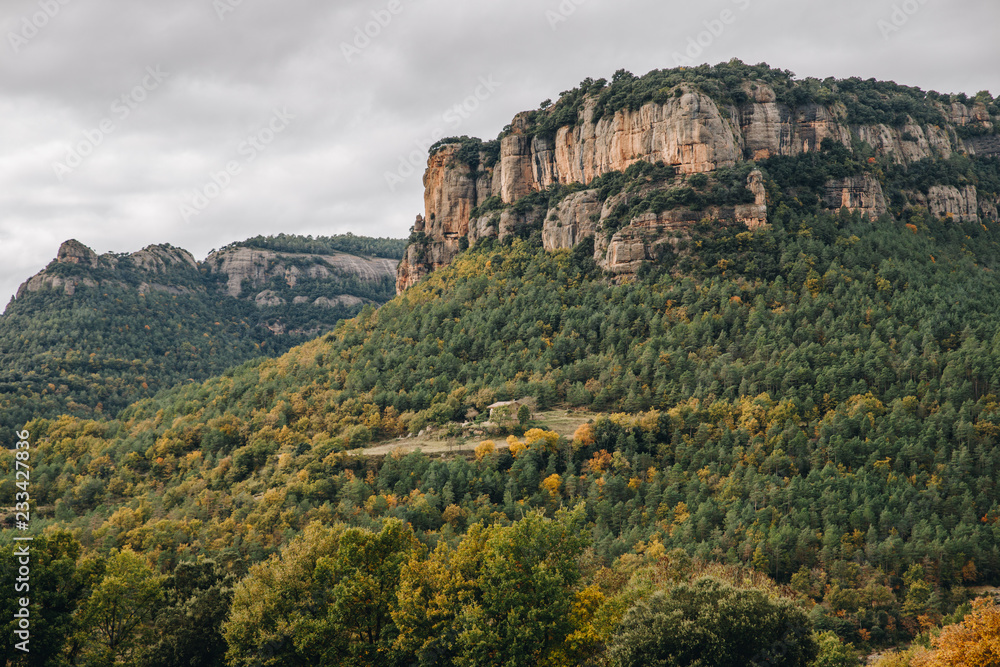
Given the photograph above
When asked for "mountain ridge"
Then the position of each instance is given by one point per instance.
(91, 333)
(698, 122)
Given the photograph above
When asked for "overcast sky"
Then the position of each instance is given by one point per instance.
(286, 117)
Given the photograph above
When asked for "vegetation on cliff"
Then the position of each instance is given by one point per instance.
(815, 401)
(867, 102)
(129, 332)
(327, 245)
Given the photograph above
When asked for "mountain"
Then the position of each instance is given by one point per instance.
(92, 333)
(717, 135)
(770, 436)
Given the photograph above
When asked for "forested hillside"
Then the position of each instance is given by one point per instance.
(782, 375)
(91, 334)
(815, 401)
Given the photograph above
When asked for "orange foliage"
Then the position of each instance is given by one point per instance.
(583, 436)
(552, 484)
(975, 642)
(600, 462)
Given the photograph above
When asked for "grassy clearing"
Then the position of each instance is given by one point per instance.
(563, 422)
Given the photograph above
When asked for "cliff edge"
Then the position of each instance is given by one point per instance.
(576, 169)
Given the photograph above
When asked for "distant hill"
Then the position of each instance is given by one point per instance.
(92, 333)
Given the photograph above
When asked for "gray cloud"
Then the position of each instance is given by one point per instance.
(357, 115)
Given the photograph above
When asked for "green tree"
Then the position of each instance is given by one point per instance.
(834, 653)
(326, 599)
(60, 581)
(526, 590)
(119, 608)
(713, 623)
(189, 626)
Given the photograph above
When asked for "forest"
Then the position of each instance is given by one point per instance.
(95, 351)
(799, 422)
(342, 243)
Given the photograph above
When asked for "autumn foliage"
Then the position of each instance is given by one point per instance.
(975, 642)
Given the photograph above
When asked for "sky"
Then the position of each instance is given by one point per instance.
(202, 122)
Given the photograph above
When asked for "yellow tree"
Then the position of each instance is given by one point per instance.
(975, 642)
(552, 484)
(549, 440)
(485, 449)
(516, 446)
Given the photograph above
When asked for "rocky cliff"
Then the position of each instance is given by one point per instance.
(248, 271)
(328, 284)
(469, 196)
(77, 265)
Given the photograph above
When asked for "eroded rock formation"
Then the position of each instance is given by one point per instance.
(689, 132)
(246, 273)
(249, 269)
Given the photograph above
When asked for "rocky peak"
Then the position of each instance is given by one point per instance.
(74, 252)
(323, 279)
(158, 258)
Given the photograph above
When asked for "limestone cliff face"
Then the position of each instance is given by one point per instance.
(247, 270)
(857, 193)
(768, 128)
(421, 259)
(988, 208)
(690, 132)
(948, 201)
(574, 219)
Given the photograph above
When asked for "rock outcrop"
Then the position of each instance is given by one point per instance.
(948, 201)
(249, 269)
(266, 278)
(861, 194)
(691, 132)
(574, 219)
(99, 269)
(160, 258)
(74, 252)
